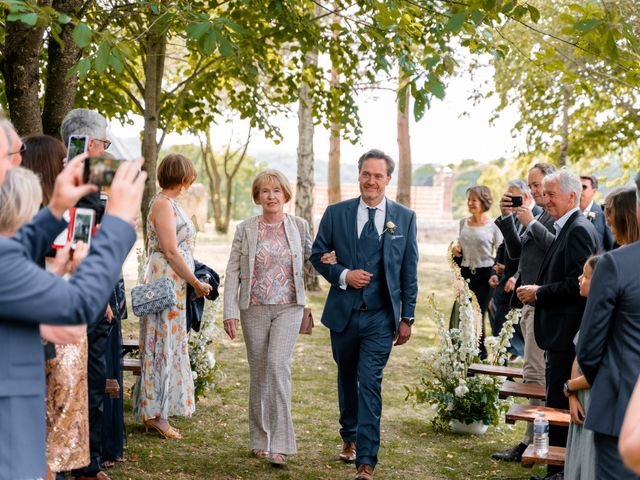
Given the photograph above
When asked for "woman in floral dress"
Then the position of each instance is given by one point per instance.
(165, 387)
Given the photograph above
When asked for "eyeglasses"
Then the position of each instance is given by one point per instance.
(107, 143)
(23, 148)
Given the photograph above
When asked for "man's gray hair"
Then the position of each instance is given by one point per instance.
(378, 155)
(568, 180)
(520, 185)
(82, 121)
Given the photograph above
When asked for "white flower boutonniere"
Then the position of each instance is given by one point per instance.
(389, 227)
(591, 216)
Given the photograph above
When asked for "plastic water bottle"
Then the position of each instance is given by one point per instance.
(541, 435)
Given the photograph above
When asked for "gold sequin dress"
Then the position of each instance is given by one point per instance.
(67, 408)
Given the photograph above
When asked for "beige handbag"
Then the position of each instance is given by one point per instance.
(306, 327)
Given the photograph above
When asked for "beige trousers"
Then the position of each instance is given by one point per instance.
(533, 370)
(270, 333)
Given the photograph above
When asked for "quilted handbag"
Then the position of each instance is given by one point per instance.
(153, 297)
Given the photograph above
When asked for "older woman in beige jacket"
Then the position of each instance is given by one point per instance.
(264, 291)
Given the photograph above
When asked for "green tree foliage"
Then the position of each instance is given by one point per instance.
(574, 80)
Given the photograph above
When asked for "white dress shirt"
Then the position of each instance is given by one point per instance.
(558, 224)
(362, 217)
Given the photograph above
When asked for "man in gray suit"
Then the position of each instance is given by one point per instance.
(30, 295)
(609, 351)
(529, 244)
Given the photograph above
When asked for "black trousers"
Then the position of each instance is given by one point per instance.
(479, 285)
(97, 335)
(609, 465)
(558, 371)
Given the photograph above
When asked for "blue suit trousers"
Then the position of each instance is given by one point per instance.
(361, 352)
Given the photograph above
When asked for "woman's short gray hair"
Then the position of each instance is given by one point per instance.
(82, 121)
(521, 186)
(20, 198)
(568, 180)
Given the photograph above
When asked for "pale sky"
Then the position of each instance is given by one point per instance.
(442, 136)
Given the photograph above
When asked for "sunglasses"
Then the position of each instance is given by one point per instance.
(107, 143)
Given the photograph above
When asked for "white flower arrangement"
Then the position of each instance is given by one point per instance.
(446, 387)
(204, 369)
(591, 216)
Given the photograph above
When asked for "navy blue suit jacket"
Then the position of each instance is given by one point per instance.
(559, 305)
(29, 296)
(338, 231)
(606, 241)
(609, 345)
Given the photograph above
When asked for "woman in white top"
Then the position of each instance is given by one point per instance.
(477, 242)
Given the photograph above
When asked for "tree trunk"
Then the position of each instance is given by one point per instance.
(156, 43)
(305, 181)
(21, 72)
(333, 177)
(215, 181)
(564, 145)
(404, 147)
(60, 91)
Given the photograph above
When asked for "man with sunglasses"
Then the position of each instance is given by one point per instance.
(594, 213)
(89, 123)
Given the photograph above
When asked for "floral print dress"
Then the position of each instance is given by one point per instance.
(165, 386)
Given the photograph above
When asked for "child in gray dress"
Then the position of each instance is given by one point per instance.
(580, 460)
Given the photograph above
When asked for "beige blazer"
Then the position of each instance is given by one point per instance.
(239, 272)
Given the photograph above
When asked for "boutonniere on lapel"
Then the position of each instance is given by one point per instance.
(591, 216)
(389, 227)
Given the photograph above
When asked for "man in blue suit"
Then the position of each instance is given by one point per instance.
(29, 296)
(372, 299)
(594, 213)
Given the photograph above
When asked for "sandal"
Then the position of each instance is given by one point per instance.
(278, 459)
(170, 433)
(260, 453)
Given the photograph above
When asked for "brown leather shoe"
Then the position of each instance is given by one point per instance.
(348, 453)
(365, 472)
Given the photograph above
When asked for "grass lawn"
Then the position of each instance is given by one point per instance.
(215, 444)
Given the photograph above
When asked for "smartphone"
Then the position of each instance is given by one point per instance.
(100, 170)
(516, 201)
(82, 226)
(77, 144)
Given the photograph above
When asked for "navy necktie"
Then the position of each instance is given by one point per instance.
(369, 238)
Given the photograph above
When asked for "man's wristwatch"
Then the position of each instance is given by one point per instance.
(408, 320)
(566, 388)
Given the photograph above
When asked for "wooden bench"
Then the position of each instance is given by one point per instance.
(132, 365)
(129, 345)
(555, 456)
(525, 390)
(528, 413)
(495, 370)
